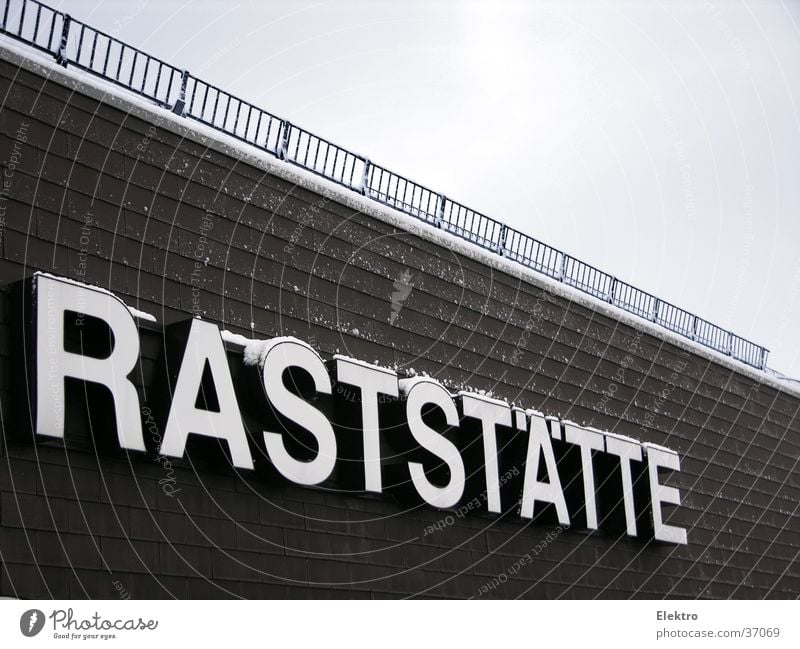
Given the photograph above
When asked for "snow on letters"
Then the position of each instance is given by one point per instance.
(407, 402)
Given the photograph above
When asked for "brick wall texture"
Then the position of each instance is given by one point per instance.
(101, 195)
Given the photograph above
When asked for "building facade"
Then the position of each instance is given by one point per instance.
(185, 226)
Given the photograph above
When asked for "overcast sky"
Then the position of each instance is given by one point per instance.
(659, 141)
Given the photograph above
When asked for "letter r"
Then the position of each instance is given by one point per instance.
(54, 363)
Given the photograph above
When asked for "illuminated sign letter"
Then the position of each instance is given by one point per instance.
(419, 394)
(491, 413)
(588, 440)
(54, 298)
(203, 349)
(371, 380)
(539, 445)
(626, 450)
(663, 457)
(278, 355)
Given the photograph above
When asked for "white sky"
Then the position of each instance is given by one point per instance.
(659, 141)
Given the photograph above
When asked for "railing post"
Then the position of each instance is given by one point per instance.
(440, 210)
(61, 55)
(612, 292)
(365, 177)
(501, 245)
(763, 360)
(180, 104)
(562, 272)
(729, 344)
(283, 145)
(656, 305)
(693, 335)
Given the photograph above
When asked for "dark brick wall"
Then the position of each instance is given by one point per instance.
(74, 523)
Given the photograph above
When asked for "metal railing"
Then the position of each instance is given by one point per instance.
(74, 43)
